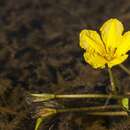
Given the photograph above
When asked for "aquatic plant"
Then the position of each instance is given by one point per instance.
(105, 51)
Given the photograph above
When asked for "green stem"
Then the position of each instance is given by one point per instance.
(78, 96)
(96, 110)
(125, 69)
(113, 87)
(118, 113)
(46, 97)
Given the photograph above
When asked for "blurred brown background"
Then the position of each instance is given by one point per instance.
(39, 52)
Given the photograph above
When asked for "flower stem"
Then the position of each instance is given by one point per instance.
(45, 97)
(125, 69)
(118, 113)
(113, 87)
(98, 109)
(94, 108)
(78, 96)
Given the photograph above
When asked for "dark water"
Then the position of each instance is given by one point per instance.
(39, 52)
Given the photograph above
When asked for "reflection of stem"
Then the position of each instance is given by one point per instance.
(95, 108)
(7, 110)
(113, 87)
(124, 68)
(108, 99)
(127, 93)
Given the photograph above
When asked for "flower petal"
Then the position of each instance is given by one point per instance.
(90, 39)
(95, 60)
(111, 32)
(124, 47)
(117, 61)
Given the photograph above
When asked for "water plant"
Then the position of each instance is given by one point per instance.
(102, 51)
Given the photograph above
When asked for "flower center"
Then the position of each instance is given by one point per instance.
(110, 54)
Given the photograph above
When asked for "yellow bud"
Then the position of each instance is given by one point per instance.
(41, 97)
(45, 112)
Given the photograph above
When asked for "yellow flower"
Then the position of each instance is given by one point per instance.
(108, 49)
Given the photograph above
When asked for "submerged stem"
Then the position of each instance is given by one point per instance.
(124, 68)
